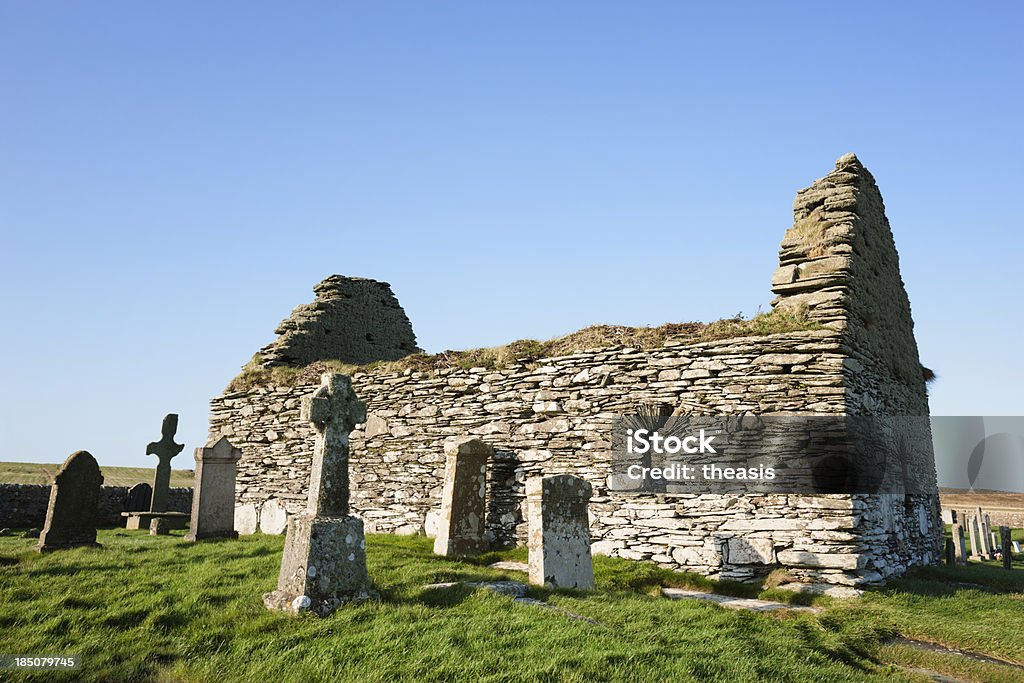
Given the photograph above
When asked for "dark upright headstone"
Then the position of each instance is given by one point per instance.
(1004, 537)
(74, 498)
(139, 498)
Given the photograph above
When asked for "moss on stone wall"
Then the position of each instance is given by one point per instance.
(525, 351)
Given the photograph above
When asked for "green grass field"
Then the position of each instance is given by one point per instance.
(42, 473)
(152, 608)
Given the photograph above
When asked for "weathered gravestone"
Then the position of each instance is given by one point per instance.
(959, 547)
(74, 497)
(246, 519)
(139, 498)
(213, 496)
(1004, 536)
(950, 552)
(559, 532)
(1016, 546)
(463, 512)
(324, 560)
(984, 537)
(164, 450)
(159, 527)
(273, 517)
(972, 526)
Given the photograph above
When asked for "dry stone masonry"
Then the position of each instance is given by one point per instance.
(559, 537)
(463, 513)
(24, 505)
(838, 264)
(324, 560)
(71, 515)
(213, 500)
(355, 320)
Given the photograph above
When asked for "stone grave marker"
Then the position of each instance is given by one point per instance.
(972, 526)
(246, 519)
(139, 498)
(1016, 546)
(559, 531)
(213, 496)
(463, 512)
(159, 527)
(959, 546)
(72, 511)
(324, 560)
(950, 553)
(164, 450)
(1004, 536)
(273, 517)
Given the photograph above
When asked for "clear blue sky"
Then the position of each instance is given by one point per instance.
(175, 177)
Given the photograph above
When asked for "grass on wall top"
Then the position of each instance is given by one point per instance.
(525, 351)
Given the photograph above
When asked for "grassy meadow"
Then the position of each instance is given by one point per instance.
(153, 608)
(42, 473)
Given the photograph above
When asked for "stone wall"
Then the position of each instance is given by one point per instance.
(24, 505)
(355, 320)
(554, 416)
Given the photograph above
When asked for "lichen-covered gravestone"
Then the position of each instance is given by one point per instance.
(559, 534)
(213, 498)
(461, 527)
(324, 561)
(74, 497)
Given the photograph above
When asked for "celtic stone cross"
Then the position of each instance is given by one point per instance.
(164, 450)
(333, 410)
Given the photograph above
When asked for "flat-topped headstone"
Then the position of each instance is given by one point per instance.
(139, 498)
(159, 527)
(559, 532)
(213, 496)
(324, 560)
(74, 498)
(164, 450)
(460, 529)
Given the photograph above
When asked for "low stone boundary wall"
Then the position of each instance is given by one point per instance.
(24, 505)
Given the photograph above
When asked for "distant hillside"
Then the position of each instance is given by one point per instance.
(990, 500)
(42, 473)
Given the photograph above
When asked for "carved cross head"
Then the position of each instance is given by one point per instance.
(333, 405)
(165, 448)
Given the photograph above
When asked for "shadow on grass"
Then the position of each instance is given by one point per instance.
(71, 570)
(945, 581)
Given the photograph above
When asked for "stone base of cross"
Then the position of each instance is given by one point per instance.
(323, 566)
